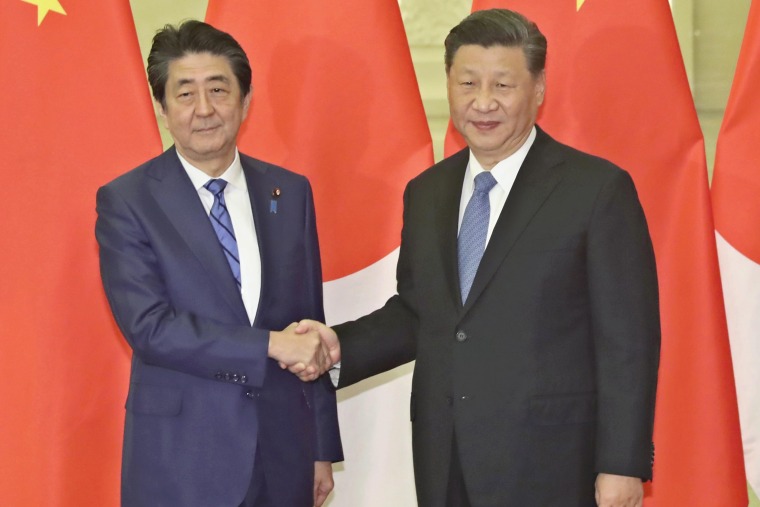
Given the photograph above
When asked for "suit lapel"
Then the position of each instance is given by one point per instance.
(534, 183)
(175, 194)
(447, 211)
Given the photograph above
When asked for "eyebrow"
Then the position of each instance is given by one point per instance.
(210, 79)
(477, 70)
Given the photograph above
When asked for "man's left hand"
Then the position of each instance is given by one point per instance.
(619, 491)
(323, 481)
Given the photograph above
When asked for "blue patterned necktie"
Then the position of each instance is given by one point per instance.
(473, 232)
(222, 223)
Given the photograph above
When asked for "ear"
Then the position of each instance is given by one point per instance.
(541, 87)
(161, 112)
(449, 84)
(247, 101)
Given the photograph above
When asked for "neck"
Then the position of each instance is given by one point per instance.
(488, 160)
(214, 167)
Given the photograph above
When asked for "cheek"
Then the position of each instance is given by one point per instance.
(184, 121)
(458, 109)
(459, 119)
(513, 109)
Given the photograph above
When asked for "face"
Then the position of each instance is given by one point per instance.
(493, 100)
(204, 110)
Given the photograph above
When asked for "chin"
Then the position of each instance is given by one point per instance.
(208, 148)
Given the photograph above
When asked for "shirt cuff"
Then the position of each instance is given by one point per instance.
(335, 374)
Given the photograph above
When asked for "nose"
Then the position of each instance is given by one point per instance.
(484, 100)
(203, 107)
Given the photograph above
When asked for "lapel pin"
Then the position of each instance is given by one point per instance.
(276, 192)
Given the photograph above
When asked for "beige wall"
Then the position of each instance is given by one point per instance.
(716, 37)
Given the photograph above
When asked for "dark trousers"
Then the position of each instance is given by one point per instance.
(257, 496)
(456, 495)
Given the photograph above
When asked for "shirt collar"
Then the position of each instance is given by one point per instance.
(233, 175)
(505, 171)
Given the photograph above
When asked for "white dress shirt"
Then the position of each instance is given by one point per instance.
(239, 206)
(504, 172)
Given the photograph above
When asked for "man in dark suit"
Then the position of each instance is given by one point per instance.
(527, 293)
(205, 253)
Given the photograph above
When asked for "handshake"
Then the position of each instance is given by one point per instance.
(307, 348)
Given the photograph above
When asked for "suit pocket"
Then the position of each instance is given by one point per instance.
(154, 400)
(563, 409)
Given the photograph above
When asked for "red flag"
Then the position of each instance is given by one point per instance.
(736, 184)
(617, 88)
(335, 98)
(735, 193)
(76, 113)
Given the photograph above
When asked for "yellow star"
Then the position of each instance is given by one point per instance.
(45, 6)
(579, 3)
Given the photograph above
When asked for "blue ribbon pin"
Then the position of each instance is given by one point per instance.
(276, 192)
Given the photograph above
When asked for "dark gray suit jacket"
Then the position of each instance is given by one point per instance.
(548, 373)
(203, 393)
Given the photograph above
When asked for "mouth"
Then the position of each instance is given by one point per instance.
(485, 125)
(205, 130)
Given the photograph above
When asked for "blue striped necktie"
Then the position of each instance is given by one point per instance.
(473, 232)
(222, 223)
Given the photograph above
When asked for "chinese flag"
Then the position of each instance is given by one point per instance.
(736, 201)
(335, 98)
(617, 88)
(76, 112)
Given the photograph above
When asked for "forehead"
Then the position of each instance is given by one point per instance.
(474, 58)
(200, 67)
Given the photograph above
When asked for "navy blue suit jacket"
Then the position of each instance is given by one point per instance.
(203, 393)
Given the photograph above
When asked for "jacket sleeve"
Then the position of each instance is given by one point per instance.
(626, 328)
(327, 436)
(387, 337)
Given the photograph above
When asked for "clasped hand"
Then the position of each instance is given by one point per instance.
(307, 349)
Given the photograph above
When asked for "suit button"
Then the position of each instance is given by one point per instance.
(227, 376)
(235, 377)
(243, 379)
(218, 375)
(461, 336)
(249, 394)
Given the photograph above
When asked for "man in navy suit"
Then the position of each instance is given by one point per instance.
(205, 254)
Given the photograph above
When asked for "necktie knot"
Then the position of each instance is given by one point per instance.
(216, 186)
(484, 182)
